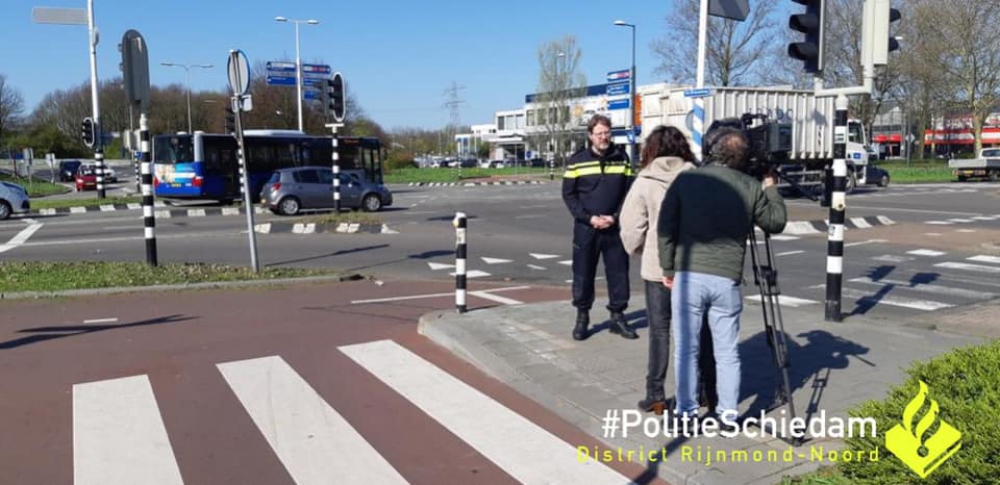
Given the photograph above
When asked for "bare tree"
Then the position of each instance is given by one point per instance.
(11, 106)
(736, 53)
(559, 82)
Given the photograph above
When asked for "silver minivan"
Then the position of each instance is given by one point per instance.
(291, 190)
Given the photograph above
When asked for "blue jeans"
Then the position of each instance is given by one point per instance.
(694, 295)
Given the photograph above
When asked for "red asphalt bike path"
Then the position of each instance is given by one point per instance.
(177, 338)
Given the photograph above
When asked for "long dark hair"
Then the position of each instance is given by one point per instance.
(666, 141)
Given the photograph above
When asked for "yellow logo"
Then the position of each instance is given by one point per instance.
(907, 442)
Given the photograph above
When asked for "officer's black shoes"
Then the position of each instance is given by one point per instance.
(580, 331)
(620, 327)
(653, 405)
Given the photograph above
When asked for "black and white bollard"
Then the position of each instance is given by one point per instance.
(336, 174)
(838, 206)
(99, 168)
(149, 221)
(460, 222)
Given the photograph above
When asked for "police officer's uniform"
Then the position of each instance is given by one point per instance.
(596, 185)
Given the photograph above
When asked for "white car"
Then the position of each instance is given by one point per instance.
(13, 200)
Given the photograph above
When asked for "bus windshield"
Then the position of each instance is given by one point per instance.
(172, 149)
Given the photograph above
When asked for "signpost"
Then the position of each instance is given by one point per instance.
(135, 77)
(618, 104)
(239, 81)
(619, 75)
(616, 89)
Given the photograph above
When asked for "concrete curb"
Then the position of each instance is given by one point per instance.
(161, 210)
(25, 295)
(313, 228)
(476, 184)
(822, 226)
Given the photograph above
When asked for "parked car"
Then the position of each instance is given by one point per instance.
(13, 200)
(875, 175)
(67, 170)
(291, 190)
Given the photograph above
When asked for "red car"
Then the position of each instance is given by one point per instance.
(86, 178)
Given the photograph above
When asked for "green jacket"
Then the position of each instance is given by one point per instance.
(706, 217)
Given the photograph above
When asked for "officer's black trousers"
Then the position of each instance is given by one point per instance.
(589, 244)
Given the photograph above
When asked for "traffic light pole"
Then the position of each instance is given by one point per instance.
(95, 101)
(838, 210)
(245, 182)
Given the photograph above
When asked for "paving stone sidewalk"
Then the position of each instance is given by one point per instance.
(834, 367)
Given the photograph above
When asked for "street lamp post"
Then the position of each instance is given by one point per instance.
(298, 62)
(187, 83)
(632, 96)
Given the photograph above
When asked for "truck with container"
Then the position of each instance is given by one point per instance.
(806, 127)
(986, 165)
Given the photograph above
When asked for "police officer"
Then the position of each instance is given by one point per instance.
(594, 188)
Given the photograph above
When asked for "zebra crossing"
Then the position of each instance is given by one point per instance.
(937, 281)
(119, 436)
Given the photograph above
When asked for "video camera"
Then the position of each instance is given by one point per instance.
(770, 141)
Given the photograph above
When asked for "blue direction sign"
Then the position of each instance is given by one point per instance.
(311, 95)
(316, 69)
(280, 66)
(618, 104)
(280, 80)
(616, 89)
(697, 93)
(619, 75)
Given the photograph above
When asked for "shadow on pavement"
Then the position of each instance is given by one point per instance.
(41, 334)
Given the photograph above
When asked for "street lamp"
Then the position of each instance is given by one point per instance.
(187, 82)
(632, 96)
(298, 63)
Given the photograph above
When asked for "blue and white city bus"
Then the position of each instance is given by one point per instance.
(204, 165)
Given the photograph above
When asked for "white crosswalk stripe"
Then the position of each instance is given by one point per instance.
(985, 259)
(914, 304)
(118, 435)
(978, 268)
(926, 252)
(521, 448)
(785, 300)
(312, 440)
(926, 288)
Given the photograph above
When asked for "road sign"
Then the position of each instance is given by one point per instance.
(619, 75)
(697, 93)
(729, 9)
(280, 66)
(61, 16)
(910, 138)
(615, 89)
(316, 69)
(618, 104)
(280, 80)
(311, 95)
(239, 72)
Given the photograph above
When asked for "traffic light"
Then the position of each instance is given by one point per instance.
(878, 19)
(810, 23)
(336, 90)
(87, 132)
(230, 120)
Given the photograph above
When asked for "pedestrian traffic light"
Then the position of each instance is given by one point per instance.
(87, 132)
(879, 16)
(336, 90)
(810, 23)
(230, 120)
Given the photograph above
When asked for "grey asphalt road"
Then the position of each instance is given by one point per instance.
(940, 253)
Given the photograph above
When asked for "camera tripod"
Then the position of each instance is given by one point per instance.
(765, 276)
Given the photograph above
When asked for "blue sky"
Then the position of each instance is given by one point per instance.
(398, 56)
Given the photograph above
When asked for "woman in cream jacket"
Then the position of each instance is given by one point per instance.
(665, 155)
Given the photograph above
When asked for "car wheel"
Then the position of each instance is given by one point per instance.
(852, 183)
(884, 181)
(993, 176)
(371, 203)
(289, 206)
(4, 210)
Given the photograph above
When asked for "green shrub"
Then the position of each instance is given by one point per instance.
(966, 385)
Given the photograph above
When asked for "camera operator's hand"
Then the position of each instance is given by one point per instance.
(770, 179)
(668, 281)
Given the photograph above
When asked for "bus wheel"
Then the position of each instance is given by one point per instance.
(289, 206)
(371, 203)
(993, 176)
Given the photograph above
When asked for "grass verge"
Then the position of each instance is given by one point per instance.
(18, 276)
(35, 187)
(354, 217)
(425, 175)
(918, 171)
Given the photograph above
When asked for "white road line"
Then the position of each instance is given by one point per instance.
(862, 243)
(494, 260)
(926, 252)
(860, 222)
(431, 295)
(474, 273)
(543, 256)
(965, 230)
(939, 223)
(892, 258)
(568, 262)
(20, 237)
(962, 221)
(522, 449)
(780, 237)
(497, 298)
(536, 267)
(789, 253)
(785, 300)
(985, 259)
(927, 288)
(312, 440)
(933, 234)
(977, 268)
(924, 305)
(100, 320)
(437, 266)
(118, 435)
